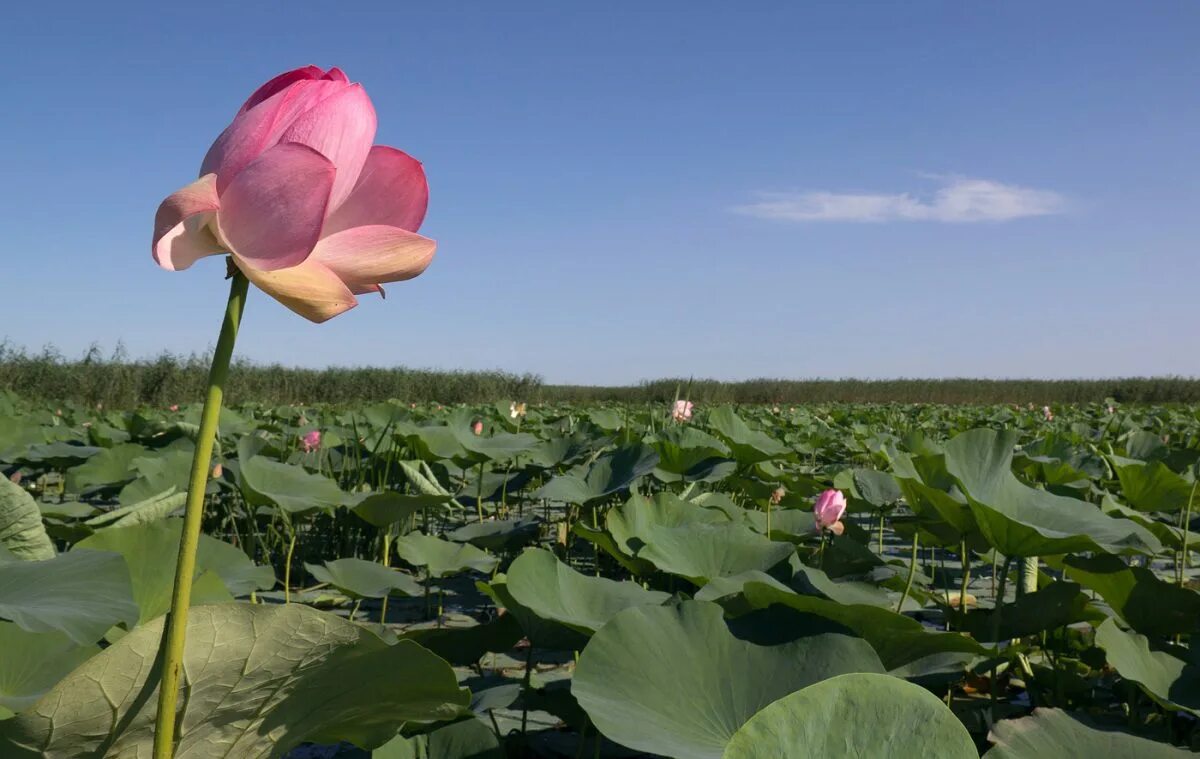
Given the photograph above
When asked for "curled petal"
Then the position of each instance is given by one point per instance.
(341, 128)
(181, 233)
(366, 256)
(837, 528)
(262, 126)
(310, 289)
(391, 190)
(335, 74)
(272, 212)
(281, 83)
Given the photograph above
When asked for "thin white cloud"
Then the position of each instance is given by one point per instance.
(959, 200)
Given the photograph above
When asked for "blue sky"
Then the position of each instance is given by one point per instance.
(629, 190)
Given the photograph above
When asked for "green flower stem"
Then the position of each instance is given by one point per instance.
(912, 570)
(1187, 523)
(175, 630)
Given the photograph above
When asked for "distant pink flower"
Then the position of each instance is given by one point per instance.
(777, 495)
(1111, 410)
(311, 441)
(1046, 412)
(477, 427)
(15, 477)
(682, 411)
(312, 213)
(218, 471)
(828, 510)
(173, 407)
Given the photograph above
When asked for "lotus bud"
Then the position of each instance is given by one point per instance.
(311, 441)
(828, 510)
(682, 411)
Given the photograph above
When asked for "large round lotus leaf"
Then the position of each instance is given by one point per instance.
(543, 633)
(749, 446)
(21, 528)
(291, 488)
(442, 557)
(80, 594)
(31, 663)
(878, 489)
(435, 442)
(365, 579)
(815, 582)
(58, 455)
(865, 715)
(1146, 603)
(686, 454)
(1151, 486)
(1056, 605)
(552, 590)
(503, 446)
(1018, 520)
(390, 507)
(259, 680)
(498, 534)
(108, 468)
(158, 471)
(896, 638)
(701, 552)
(611, 473)
(469, 739)
(1165, 675)
(1055, 733)
(676, 681)
(150, 551)
(628, 525)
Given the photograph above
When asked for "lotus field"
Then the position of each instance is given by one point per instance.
(691, 581)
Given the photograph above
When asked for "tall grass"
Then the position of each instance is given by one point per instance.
(117, 380)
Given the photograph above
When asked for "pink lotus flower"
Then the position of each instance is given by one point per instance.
(828, 510)
(311, 212)
(1046, 412)
(477, 427)
(173, 407)
(682, 411)
(311, 441)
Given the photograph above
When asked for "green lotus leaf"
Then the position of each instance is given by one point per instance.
(150, 510)
(57, 455)
(290, 487)
(1055, 733)
(687, 454)
(610, 473)
(1056, 605)
(32, 662)
(150, 551)
(550, 589)
(1146, 603)
(80, 594)
(542, 633)
(896, 638)
(498, 534)
(468, 739)
(1151, 486)
(890, 717)
(1018, 520)
(259, 681)
(878, 489)
(365, 579)
(701, 552)
(1166, 674)
(21, 528)
(389, 507)
(158, 472)
(749, 446)
(677, 681)
(111, 467)
(443, 557)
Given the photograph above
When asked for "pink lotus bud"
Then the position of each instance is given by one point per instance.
(15, 477)
(218, 470)
(173, 407)
(311, 441)
(1046, 412)
(477, 427)
(777, 495)
(828, 510)
(682, 410)
(311, 212)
